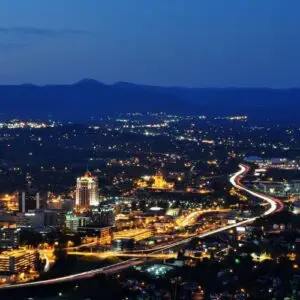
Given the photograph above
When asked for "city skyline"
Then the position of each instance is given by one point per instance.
(150, 149)
(179, 196)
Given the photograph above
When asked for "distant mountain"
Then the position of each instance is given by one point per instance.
(88, 81)
(90, 98)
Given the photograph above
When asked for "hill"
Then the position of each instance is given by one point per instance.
(90, 98)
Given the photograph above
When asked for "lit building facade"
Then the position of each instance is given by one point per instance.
(9, 238)
(31, 219)
(87, 191)
(16, 261)
(296, 209)
(160, 183)
(156, 182)
(135, 234)
(10, 201)
(105, 216)
(104, 234)
(73, 223)
(54, 203)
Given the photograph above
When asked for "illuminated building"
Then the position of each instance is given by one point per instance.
(135, 234)
(55, 203)
(142, 184)
(9, 238)
(123, 244)
(173, 212)
(30, 219)
(280, 188)
(158, 270)
(58, 203)
(7, 219)
(296, 209)
(73, 223)
(16, 261)
(261, 257)
(10, 201)
(87, 191)
(39, 218)
(104, 234)
(160, 183)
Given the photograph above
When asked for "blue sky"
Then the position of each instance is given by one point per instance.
(161, 42)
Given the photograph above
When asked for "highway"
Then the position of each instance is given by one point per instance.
(235, 180)
(191, 218)
(105, 270)
(275, 206)
(107, 254)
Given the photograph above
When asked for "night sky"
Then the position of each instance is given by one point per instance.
(197, 43)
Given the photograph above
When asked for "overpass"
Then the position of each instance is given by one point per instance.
(107, 254)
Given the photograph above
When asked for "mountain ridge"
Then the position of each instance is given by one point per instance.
(88, 97)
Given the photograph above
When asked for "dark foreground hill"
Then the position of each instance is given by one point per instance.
(90, 98)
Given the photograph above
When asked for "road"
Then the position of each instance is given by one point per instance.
(91, 244)
(191, 218)
(107, 254)
(235, 180)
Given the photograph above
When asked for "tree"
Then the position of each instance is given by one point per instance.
(60, 254)
(30, 238)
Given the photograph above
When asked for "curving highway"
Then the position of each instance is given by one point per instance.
(275, 206)
(235, 180)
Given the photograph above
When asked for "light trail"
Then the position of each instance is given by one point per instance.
(192, 217)
(94, 243)
(122, 254)
(47, 264)
(275, 205)
(109, 269)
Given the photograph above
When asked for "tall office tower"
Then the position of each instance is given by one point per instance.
(87, 191)
(105, 216)
(28, 201)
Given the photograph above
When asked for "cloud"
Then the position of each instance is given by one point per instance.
(18, 38)
(44, 32)
(12, 46)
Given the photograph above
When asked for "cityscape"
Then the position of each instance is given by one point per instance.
(149, 150)
(147, 201)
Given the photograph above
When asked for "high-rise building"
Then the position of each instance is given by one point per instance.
(28, 201)
(30, 219)
(9, 238)
(87, 191)
(103, 216)
(106, 216)
(16, 261)
(73, 223)
(67, 204)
